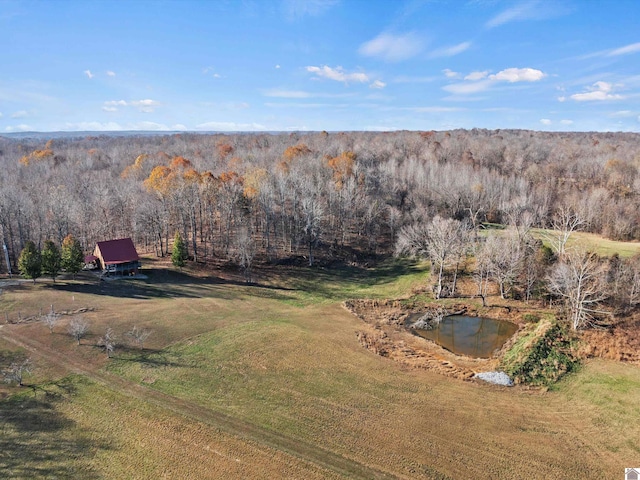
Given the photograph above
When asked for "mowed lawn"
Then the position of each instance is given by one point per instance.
(283, 356)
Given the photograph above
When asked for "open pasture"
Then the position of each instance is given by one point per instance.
(269, 380)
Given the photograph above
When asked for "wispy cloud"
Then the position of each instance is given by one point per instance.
(338, 74)
(111, 73)
(392, 48)
(89, 74)
(295, 9)
(467, 88)
(530, 10)
(377, 84)
(545, 121)
(145, 106)
(626, 50)
(599, 91)
(18, 128)
(450, 51)
(20, 114)
(450, 73)
(475, 76)
(481, 81)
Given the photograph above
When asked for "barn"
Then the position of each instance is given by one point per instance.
(117, 257)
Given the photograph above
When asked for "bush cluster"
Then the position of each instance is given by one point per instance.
(541, 357)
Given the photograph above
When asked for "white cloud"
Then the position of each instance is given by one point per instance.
(562, 99)
(566, 122)
(392, 48)
(277, 67)
(338, 74)
(480, 81)
(450, 73)
(451, 50)
(231, 127)
(545, 121)
(378, 84)
(513, 75)
(145, 106)
(597, 92)
(474, 76)
(117, 127)
(111, 73)
(89, 74)
(18, 128)
(633, 48)
(20, 114)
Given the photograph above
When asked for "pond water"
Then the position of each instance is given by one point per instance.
(472, 336)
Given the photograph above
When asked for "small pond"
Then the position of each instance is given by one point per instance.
(473, 336)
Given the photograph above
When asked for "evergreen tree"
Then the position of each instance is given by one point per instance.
(71, 256)
(51, 259)
(30, 261)
(179, 253)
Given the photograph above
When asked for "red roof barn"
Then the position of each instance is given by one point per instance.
(118, 256)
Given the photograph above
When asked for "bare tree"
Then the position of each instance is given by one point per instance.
(139, 335)
(442, 241)
(51, 319)
(580, 279)
(482, 255)
(246, 251)
(16, 371)
(506, 257)
(565, 221)
(78, 328)
(108, 341)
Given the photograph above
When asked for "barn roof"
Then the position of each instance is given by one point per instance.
(118, 251)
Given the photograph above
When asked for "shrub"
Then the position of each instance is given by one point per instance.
(531, 318)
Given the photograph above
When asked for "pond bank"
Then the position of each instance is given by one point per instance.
(384, 332)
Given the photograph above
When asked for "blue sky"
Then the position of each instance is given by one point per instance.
(280, 65)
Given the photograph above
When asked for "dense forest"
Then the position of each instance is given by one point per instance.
(325, 195)
(349, 198)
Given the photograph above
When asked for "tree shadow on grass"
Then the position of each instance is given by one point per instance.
(160, 283)
(38, 441)
(339, 283)
(148, 358)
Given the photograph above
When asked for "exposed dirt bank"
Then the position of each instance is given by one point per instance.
(384, 333)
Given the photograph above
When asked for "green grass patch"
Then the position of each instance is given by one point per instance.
(592, 242)
(541, 356)
(390, 279)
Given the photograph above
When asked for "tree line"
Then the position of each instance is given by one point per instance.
(323, 197)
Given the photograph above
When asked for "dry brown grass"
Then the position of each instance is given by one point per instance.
(283, 362)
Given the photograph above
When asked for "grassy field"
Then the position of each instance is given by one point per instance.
(269, 381)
